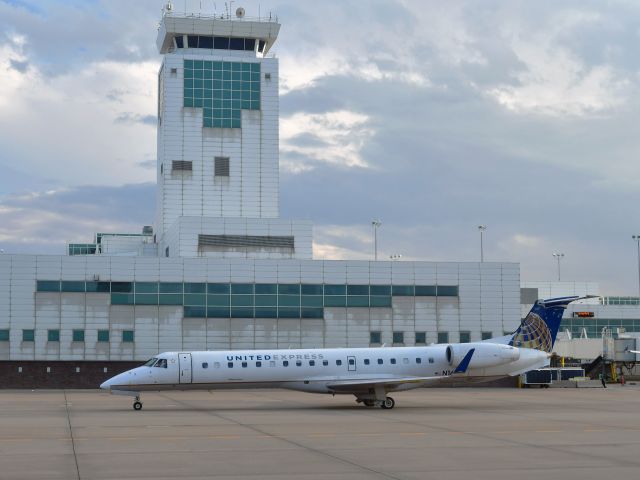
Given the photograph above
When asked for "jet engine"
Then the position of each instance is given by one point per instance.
(485, 354)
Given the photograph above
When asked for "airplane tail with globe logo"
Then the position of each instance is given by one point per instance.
(539, 328)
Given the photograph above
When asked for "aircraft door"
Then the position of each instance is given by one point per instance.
(185, 367)
(351, 364)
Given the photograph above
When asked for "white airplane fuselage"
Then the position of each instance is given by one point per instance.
(352, 370)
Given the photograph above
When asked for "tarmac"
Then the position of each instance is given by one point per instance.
(474, 433)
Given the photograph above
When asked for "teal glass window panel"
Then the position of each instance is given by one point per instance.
(197, 102)
(380, 301)
(146, 299)
(335, 289)
(217, 75)
(28, 335)
(357, 301)
(246, 76)
(217, 123)
(447, 290)
(357, 289)
(288, 312)
(335, 301)
(246, 95)
(99, 287)
(4, 335)
(255, 67)
(226, 75)
(443, 337)
(208, 74)
(128, 336)
(242, 288)
(289, 300)
(216, 86)
(206, 93)
(195, 312)
(311, 289)
(195, 299)
(53, 335)
(226, 85)
(187, 83)
(188, 102)
(171, 299)
(235, 75)
(266, 300)
(122, 287)
(380, 289)
(207, 122)
(198, 64)
(235, 123)
(235, 106)
(241, 312)
(218, 300)
(146, 287)
(198, 85)
(312, 301)
(78, 336)
(216, 65)
(308, 312)
(188, 64)
(170, 287)
(218, 288)
(48, 286)
(73, 286)
(266, 288)
(266, 312)
(425, 290)
(255, 105)
(226, 123)
(289, 289)
(218, 312)
(255, 77)
(242, 300)
(246, 67)
(226, 95)
(217, 105)
(402, 290)
(103, 335)
(188, 92)
(122, 299)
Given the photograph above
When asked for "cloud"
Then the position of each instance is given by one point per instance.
(128, 118)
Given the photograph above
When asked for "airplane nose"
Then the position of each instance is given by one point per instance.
(106, 385)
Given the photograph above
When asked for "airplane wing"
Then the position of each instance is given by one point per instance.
(395, 382)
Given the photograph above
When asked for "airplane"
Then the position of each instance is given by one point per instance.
(367, 373)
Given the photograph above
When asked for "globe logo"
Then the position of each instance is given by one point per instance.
(533, 333)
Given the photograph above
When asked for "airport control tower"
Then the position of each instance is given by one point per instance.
(218, 184)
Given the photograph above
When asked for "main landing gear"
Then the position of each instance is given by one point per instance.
(137, 404)
(388, 403)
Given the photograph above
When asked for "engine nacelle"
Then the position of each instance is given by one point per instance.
(485, 354)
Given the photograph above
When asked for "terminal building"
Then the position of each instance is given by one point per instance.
(220, 269)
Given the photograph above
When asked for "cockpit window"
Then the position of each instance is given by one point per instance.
(150, 362)
(162, 363)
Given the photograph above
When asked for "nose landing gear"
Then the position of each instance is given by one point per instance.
(137, 405)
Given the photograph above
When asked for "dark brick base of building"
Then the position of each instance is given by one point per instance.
(59, 374)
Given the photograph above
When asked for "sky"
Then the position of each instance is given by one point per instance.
(434, 117)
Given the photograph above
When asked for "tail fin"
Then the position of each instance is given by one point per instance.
(540, 327)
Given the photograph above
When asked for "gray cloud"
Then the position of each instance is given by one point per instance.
(18, 65)
(130, 118)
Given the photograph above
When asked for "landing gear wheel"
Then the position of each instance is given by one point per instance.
(388, 403)
(137, 405)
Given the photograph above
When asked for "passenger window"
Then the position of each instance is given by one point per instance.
(352, 361)
(405, 361)
(298, 363)
(216, 364)
(325, 362)
(258, 364)
(312, 363)
(338, 362)
(366, 361)
(244, 364)
(430, 359)
(205, 365)
(230, 364)
(393, 361)
(380, 361)
(418, 360)
(285, 363)
(272, 363)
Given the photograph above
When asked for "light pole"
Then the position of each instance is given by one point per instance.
(558, 256)
(375, 224)
(637, 239)
(481, 229)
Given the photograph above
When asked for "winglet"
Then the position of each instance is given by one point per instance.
(464, 364)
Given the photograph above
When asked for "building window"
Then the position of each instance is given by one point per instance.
(181, 166)
(465, 336)
(486, 335)
(103, 335)
(28, 335)
(221, 166)
(127, 336)
(443, 337)
(375, 337)
(78, 336)
(398, 337)
(4, 335)
(53, 335)
(421, 337)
